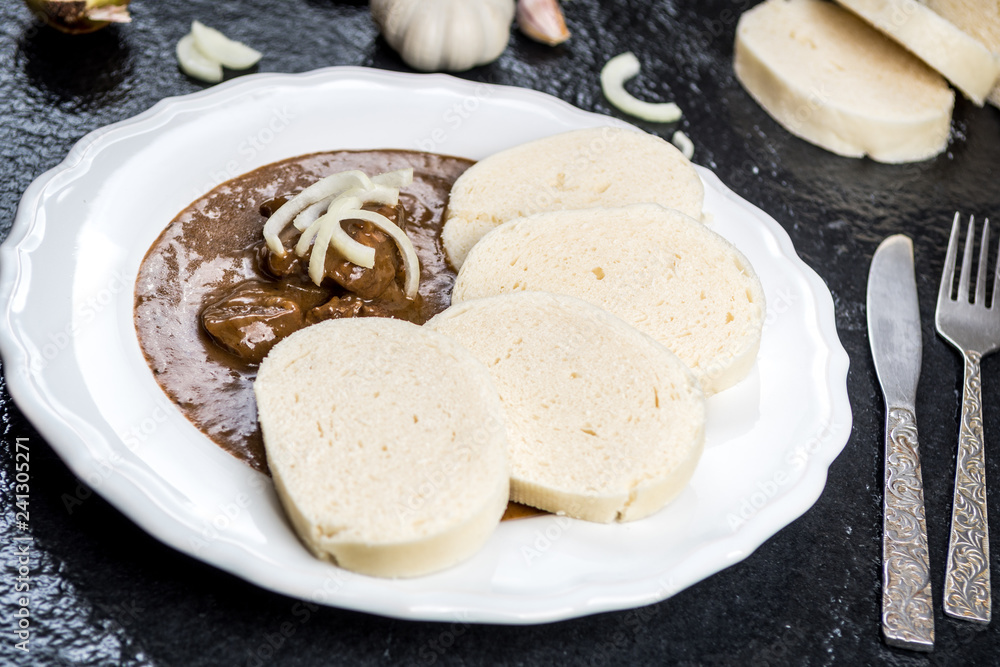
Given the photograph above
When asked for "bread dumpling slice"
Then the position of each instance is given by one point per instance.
(386, 444)
(958, 56)
(980, 20)
(602, 166)
(603, 422)
(666, 274)
(830, 78)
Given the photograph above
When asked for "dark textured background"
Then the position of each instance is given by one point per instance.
(105, 593)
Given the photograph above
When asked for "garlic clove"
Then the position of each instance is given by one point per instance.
(542, 21)
(196, 64)
(228, 52)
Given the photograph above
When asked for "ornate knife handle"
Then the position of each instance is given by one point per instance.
(907, 607)
(967, 575)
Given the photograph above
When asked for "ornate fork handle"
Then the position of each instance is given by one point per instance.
(907, 609)
(967, 575)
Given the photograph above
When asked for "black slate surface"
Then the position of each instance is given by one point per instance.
(105, 593)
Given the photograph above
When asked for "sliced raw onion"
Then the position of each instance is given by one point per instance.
(335, 213)
(683, 143)
(319, 211)
(350, 249)
(196, 64)
(317, 258)
(378, 195)
(311, 214)
(221, 49)
(332, 234)
(615, 73)
(330, 186)
(395, 179)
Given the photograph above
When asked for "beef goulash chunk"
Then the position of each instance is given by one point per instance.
(311, 278)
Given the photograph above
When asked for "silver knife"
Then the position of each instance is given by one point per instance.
(894, 334)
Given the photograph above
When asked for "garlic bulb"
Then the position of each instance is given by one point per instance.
(451, 35)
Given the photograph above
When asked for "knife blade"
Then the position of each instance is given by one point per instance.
(894, 333)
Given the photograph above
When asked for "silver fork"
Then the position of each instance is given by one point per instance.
(973, 328)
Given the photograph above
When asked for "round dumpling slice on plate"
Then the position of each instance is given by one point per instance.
(603, 422)
(603, 166)
(386, 442)
(666, 274)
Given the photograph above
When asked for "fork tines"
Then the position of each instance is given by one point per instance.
(947, 275)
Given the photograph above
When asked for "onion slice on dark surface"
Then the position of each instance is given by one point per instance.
(615, 73)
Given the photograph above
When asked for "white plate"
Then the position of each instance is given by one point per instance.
(75, 369)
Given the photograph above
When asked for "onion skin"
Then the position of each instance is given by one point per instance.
(77, 17)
